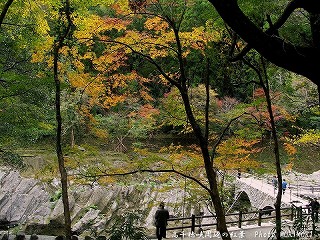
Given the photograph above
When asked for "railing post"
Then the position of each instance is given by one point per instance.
(259, 218)
(240, 219)
(217, 225)
(292, 213)
(300, 213)
(193, 223)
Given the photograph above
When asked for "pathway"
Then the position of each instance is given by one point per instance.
(288, 198)
(245, 233)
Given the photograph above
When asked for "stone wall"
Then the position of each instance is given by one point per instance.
(258, 199)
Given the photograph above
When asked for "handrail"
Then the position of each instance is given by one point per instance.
(293, 213)
(305, 187)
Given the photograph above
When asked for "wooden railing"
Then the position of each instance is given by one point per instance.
(237, 219)
(311, 188)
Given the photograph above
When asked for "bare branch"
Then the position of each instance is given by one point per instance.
(14, 94)
(274, 27)
(18, 25)
(222, 135)
(105, 174)
(16, 63)
(207, 81)
(5, 10)
(147, 57)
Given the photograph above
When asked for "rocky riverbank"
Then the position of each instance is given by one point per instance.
(37, 206)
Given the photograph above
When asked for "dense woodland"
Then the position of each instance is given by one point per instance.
(177, 86)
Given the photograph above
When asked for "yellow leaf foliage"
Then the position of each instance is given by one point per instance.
(311, 136)
(290, 149)
(156, 23)
(93, 25)
(121, 7)
(100, 133)
(290, 165)
(41, 50)
(235, 153)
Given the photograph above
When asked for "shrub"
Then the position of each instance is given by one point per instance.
(127, 227)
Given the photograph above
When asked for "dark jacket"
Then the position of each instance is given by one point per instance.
(314, 205)
(161, 217)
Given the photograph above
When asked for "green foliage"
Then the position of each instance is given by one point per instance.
(140, 123)
(26, 87)
(309, 118)
(25, 121)
(116, 124)
(25, 98)
(9, 158)
(301, 228)
(198, 14)
(141, 128)
(173, 112)
(56, 196)
(257, 10)
(93, 206)
(138, 144)
(128, 227)
(309, 137)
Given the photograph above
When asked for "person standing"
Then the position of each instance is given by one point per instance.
(284, 186)
(161, 221)
(239, 173)
(314, 205)
(275, 182)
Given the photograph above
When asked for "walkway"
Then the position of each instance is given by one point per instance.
(263, 186)
(245, 233)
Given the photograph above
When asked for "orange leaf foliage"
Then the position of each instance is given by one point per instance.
(147, 111)
(259, 110)
(290, 149)
(235, 153)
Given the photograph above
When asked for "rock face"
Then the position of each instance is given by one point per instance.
(21, 199)
(93, 208)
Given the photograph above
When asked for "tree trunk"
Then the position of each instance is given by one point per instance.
(62, 169)
(276, 151)
(72, 141)
(315, 30)
(266, 90)
(59, 43)
(202, 138)
(210, 172)
(5, 10)
(278, 166)
(299, 59)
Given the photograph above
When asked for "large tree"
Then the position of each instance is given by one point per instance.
(267, 37)
(161, 37)
(297, 57)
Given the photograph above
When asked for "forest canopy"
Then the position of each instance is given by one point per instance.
(106, 81)
(209, 86)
